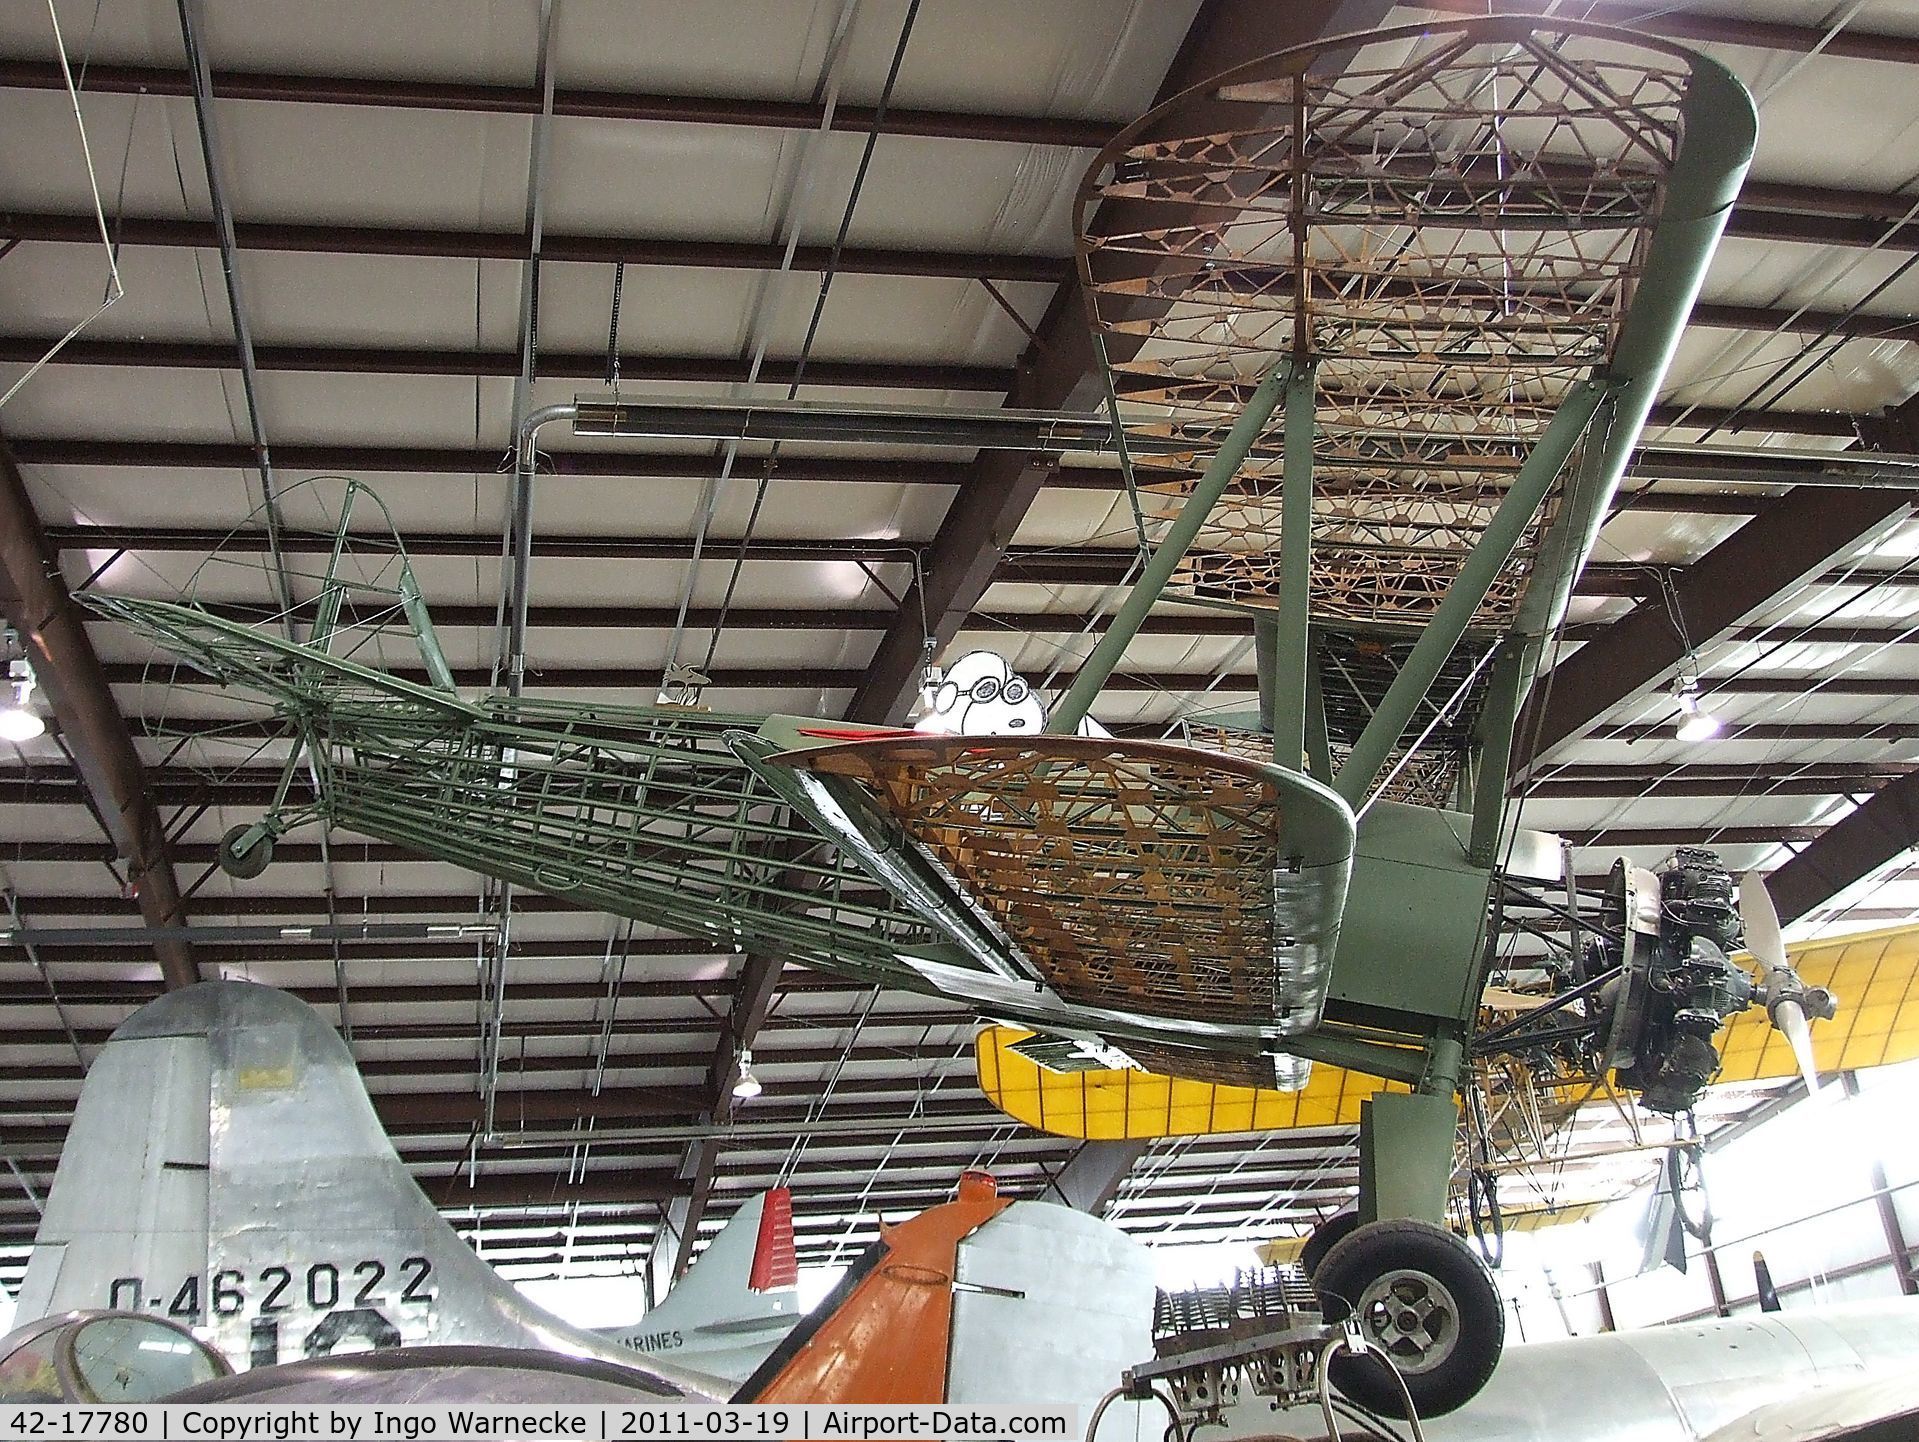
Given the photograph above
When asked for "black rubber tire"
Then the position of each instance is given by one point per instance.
(1461, 1292)
(244, 865)
(1324, 1237)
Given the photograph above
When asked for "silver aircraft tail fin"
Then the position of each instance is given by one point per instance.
(736, 1303)
(226, 1168)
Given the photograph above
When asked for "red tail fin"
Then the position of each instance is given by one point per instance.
(775, 1264)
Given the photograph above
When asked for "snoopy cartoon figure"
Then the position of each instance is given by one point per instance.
(979, 695)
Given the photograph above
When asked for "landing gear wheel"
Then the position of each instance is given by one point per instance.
(245, 851)
(1424, 1298)
(1324, 1237)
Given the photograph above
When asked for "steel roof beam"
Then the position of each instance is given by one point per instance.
(780, 370)
(1787, 546)
(1882, 830)
(1797, 731)
(1654, 461)
(614, 677)
(839, 619)
(482, 98)
(439, 1134)
(1796, 321)
(442, 244)
(546, 1064)
(1833, 217)
(581, 1028)
(34, 597)
(1886, 826)
(554, 364)
(479, 98)
(1722, 29)
(1602, 783)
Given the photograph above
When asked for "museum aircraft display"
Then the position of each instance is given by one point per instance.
(227, 1200)
(1380, 337)
(226, 1172)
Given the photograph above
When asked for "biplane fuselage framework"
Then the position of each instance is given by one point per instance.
(1382, 320)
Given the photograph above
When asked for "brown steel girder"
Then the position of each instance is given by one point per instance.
(34, 598)
(1785, 546)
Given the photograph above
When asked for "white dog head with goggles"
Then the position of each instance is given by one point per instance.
(980, 695)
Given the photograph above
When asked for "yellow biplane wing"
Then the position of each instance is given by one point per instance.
(1279, 1251)
(1874, 974)
(1115, 1104)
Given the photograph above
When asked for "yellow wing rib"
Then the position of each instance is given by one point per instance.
(1107, 1104)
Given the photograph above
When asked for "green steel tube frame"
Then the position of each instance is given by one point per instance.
(1455, 613)
(1292, 649)
(1093, 673)
(1406, 1139)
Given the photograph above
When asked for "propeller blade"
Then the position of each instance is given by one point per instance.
(1768, 947)
(1761, 921)
(1790, 1018)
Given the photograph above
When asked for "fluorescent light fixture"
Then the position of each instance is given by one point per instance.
(748, 1086)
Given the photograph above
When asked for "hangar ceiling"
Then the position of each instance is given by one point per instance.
(848, 201)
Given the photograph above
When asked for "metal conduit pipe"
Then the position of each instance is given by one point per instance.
(525, 456)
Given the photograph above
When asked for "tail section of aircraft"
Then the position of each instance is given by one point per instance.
(226, 1169)
(735, 1303)
(978, 1300)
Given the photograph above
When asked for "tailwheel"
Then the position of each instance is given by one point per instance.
(1422, 1297)
(246, 850)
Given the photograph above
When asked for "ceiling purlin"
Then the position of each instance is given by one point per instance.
(554, 364)
(1818, 216)
(1721, 29)
(480, 98)
(444, 244)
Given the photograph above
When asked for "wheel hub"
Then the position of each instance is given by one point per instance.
(1412, 1317)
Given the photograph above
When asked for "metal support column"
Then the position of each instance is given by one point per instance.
(1406, 1155)
(1897, 1248)
(1292, 649)
(1094, 671)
